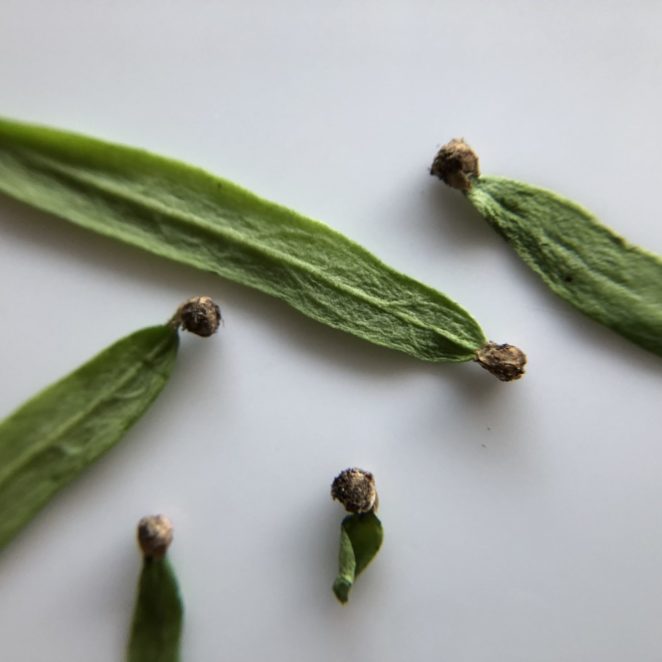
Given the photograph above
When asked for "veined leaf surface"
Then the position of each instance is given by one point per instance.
(192, 217)
(581, 260)
(50, 439)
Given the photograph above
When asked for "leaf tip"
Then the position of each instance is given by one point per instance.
(341, 587)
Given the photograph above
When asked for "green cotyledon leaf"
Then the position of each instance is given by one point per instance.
(581, 260)
(189, 216)
(361, 536)
(55, 435)
(158, 615)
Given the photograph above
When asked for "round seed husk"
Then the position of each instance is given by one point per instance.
(506, 362)
(154, 536)
(355, 489)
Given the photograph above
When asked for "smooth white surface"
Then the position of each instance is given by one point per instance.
(522, 521)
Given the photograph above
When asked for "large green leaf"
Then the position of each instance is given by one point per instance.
(581, 260)
(190, 216)
(55, 435)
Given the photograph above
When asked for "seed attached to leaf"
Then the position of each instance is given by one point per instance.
(158, 615)
(456, 164)
(505, 362)
(50, 439)
(355, 489)
(184, 214)
(578, 258)
(154, 536)
(199, 315)
(361, 533)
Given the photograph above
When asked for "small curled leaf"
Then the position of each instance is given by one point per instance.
(361, 536)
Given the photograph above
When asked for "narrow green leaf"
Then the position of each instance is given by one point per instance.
(55, 435)
(581, 260)
(189, 216)
(361, 537)
(158, 615)
(584, 262)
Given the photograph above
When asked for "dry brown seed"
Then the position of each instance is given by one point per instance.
(505, 362)
(355, 489)
(154, 536)
(199, 315)
(456, 164)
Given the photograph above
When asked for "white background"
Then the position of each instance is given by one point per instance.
(523, 521)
